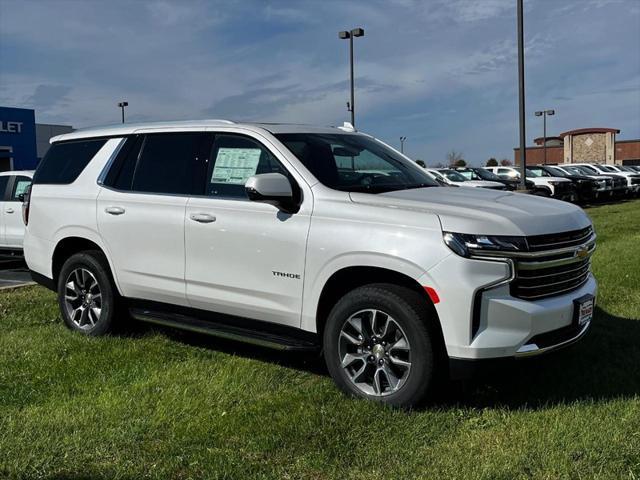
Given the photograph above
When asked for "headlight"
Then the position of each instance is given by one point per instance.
(467, 245)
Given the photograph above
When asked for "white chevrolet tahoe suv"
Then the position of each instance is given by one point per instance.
(305, 238)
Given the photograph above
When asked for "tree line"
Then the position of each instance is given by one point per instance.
(455, 158)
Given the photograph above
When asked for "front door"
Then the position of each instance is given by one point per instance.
(242, 257)
(13, 223)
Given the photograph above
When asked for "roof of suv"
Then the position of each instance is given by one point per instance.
(118, 130)
(28, 173)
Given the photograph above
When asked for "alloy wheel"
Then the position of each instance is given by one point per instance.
(374, 352)
(83, 298)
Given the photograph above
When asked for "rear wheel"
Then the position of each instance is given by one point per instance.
(379, 344)
(86, 293)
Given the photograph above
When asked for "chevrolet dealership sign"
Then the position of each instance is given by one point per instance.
(17, 139)
(10, 127)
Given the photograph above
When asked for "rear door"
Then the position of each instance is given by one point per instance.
(141, 212)
(4, 183)
(13, 223)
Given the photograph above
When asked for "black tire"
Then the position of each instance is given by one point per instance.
(411, 312)
(95, 262)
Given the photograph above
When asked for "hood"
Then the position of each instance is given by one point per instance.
(550, 179)
(484, 211)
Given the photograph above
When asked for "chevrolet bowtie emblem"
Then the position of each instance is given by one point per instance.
(582, 252)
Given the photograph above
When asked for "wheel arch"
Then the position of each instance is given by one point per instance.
(348, 278)
(71, 245)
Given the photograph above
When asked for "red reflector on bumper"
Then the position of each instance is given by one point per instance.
(432, 294)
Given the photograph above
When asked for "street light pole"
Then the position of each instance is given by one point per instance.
(344, 35)
(402, 139)
(122, 105)
(544, 114)
(523, 140)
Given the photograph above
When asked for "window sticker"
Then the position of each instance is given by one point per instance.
(235, 165)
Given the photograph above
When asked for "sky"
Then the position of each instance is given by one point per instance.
(443, 73)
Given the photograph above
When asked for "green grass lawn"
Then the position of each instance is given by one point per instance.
(163, 405)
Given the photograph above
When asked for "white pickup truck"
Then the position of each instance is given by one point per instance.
(555, 187)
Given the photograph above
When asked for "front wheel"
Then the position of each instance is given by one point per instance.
(86, 294)
(379, 344)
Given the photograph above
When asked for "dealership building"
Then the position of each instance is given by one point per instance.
(592, 145)
(23, 142)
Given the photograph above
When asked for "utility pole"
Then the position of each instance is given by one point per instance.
(523, 140)
(348, 35)
(402, 139)
(544, 114)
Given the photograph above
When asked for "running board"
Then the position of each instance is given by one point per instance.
(261, 338)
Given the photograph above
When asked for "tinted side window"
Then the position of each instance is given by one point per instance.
(65, 161)
(4, 180)
(235, 158)
(120, 175)
(172, 163)
(20, 185)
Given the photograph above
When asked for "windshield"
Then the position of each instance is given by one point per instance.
(468, 174)
(537, 172)
(587, 168)
(453, 175)
(556, 172)
(607, 168)
(483, 174)
(354, 163)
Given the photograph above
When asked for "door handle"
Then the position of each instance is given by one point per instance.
(202, 217)
(114, 210)
(9, 210)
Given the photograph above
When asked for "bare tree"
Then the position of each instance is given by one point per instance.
(505, 162)
(453, 157)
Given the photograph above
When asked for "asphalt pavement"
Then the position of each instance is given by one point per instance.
(13, 272)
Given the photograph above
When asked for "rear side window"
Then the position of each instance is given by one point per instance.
(172, 163)
(65, 161)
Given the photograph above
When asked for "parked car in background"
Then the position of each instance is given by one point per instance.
(306, 238)
(13, 185)
(606, 185)
(478, 173)
(632, 179)
(452, 176)
(438, 178)
(586, 188)
(555, 187)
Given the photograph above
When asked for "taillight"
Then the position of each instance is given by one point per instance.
(25, 205)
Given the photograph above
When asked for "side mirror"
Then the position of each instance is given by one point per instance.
(272, 188)
(21, 197)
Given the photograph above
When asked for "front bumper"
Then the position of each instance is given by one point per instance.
(481, 319)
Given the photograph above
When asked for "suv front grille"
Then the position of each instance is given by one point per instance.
(558, 240)
(564, 268)
(546, 282)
